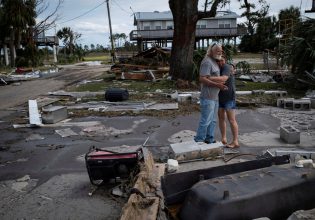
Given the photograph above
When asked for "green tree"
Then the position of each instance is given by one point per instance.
(259, 26)
(19, 14)
(92, 47)
(185, 17)
(69, 38)
(253, 16)
(290, 13)
(18, 24)
(299, 53)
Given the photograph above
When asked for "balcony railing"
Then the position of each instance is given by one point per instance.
(200, 33)
(47, 41)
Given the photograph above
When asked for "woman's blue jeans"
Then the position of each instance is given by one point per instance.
(208, 120)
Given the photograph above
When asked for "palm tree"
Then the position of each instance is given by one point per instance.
(69, 38)
(19, 14)
(300, 51)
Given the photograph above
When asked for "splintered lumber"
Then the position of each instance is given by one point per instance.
(148, 183)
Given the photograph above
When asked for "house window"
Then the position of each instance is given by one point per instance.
(146, 28)
(224, 24)
(170, 27)
(158, 27)
(201, 24)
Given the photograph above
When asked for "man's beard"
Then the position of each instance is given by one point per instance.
(217, 57)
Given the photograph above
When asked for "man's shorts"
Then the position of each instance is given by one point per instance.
(228, 105)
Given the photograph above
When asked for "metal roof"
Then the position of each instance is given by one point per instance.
(167, 15)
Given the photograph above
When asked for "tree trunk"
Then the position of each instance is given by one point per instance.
(12, 48)
(185, 17)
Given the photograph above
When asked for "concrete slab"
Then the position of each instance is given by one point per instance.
(270, 139)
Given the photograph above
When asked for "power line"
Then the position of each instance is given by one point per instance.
(84, 13)
(120, 7)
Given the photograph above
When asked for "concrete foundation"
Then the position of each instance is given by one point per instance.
(290, 134)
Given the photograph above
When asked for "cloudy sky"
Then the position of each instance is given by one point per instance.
(89, 17)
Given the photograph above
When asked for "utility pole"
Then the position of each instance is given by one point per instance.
(111, 34)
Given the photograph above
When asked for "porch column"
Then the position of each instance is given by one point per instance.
(55, 53)
(6, 57)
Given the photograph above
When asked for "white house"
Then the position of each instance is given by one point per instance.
(157, 27)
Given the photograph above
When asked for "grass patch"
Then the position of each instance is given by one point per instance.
(98, 57)
(139, 86)
(247, 56)
(249, 86)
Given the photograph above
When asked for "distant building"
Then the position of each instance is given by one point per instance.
(157, 27)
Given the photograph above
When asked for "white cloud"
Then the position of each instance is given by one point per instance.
(94, 26)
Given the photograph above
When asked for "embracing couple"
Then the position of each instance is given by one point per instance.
(217, 97)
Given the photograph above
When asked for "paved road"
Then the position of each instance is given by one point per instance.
(13, 95)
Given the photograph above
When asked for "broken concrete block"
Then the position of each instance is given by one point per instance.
(211, 150)
(54, 114)
(288, 103)
(186, 150)
(295, 155)
(278, 93)
(290, 134)
(258, 92)
(184, 97)
(191, 150)
(244, 92)
(301, 104)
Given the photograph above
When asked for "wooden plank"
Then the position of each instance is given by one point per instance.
(148, 182)
(34, 116)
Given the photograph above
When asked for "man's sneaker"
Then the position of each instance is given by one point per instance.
(208, 142)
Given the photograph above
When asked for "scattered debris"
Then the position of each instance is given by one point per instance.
(54, 114)
(104, 106)
(146, 197)
(76, 94)
(34, 116)
(172, 165)
(305, 163)
(34, 137)
(66, 132)
(102, 130)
